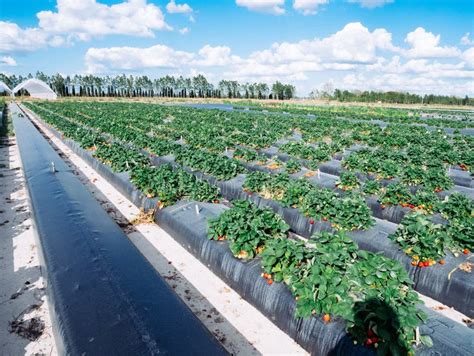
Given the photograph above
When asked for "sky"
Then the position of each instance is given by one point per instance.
(421, 46)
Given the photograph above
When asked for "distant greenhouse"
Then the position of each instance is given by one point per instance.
(4, 87)
(37, 89)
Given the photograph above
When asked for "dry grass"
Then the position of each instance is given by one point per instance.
(144, 217)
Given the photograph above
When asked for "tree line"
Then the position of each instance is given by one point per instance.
(199, 87)
(395, 97)
(143, 86)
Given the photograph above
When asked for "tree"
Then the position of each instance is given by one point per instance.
(277, 90)
(41, 76)
(57, 82)
(288, 91)
(327, 90)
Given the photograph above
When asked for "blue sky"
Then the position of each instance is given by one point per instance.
(421, 46)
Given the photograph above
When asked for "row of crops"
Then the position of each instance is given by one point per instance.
(174, 153)
(432, 117)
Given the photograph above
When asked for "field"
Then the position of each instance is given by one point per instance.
(352, 208)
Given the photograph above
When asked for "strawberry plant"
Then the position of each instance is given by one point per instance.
(349, 213)
(248, 155)
(425, 200)
(425, 241)
(303, 151)
(329, 275)
(461, 231)
(170, 185)
(210, 163)
(120, 158)
(395, 193)
(371, 187)
(247, 228)
(347, 181)
(457, 206)
(292, 166)
(352, 213)
(413, 175)
(437, 179)
(319, 203)
(295, 191)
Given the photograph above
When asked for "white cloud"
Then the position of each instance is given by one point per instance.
(426, 45)
(15, 39)
(85, 19)
(468, 57)
(353, 44)
(308, 7)
(174, 8)
(103, 60)
(7, 61)
(465, 40)
(370, 4)
(275, 7)
(184, 30)
(216, 56)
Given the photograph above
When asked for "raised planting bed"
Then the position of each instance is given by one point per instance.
(454, 289)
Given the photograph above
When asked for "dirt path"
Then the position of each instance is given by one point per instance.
(25, 324)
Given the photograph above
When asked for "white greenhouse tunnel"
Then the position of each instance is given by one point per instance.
(36, 88)
(4, 87)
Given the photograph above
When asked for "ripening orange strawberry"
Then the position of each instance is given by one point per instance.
(326, 318)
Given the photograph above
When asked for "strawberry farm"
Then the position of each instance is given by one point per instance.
(341, 217)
